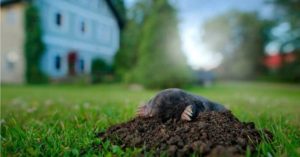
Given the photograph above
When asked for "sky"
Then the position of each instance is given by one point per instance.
(193, 13)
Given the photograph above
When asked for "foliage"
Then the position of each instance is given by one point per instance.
(290, 71)
(34, 46)
(120, 9)
(126, 57)
(289, 12)
(63, 120)
(100, 71)
(161, 63)
(120, 6)
(240, 38)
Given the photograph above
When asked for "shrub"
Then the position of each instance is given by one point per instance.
(101, 71)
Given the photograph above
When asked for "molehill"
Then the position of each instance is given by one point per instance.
(210, 134)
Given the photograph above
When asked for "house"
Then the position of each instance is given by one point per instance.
(282, 50)
(74, 33)
(12, 40)
(276, 60)
(204, 78)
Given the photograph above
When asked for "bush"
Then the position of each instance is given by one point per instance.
(101, 71)
(34, 46)
(290, 72)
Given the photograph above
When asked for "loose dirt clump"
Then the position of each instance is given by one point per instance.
(210, 134)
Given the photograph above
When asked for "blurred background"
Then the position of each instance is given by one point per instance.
(72, 68)
(156, 44)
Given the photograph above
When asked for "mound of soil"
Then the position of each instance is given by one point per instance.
(210, 134)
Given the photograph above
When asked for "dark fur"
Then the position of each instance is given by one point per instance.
(170, 103)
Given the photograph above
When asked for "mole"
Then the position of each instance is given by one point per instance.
(174, 103)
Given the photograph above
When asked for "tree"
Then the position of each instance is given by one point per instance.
(126, 57)
(240, 37)
(289, 13)
(161, 63)
(34, 46)
(120, 7)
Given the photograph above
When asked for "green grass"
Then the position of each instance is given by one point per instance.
(63, 120)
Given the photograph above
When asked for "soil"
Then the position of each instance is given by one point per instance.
(210, 134)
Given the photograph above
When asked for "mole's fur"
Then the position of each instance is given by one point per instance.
(177, 104)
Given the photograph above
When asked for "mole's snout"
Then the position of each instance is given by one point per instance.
(144, 111)
(141, 111)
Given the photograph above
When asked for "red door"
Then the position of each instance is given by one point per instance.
(72, 57)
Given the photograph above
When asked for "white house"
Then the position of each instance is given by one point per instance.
(74, 33)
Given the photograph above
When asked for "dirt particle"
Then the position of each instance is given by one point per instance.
(242, 142)
(172, 150)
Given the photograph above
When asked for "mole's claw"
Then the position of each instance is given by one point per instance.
(187, 113)
(189, 108)
(185, 117)
(141, 111)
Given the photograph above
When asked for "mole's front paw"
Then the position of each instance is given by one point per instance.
(141, 111)
(187, 114)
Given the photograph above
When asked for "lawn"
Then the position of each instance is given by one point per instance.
(57, 120)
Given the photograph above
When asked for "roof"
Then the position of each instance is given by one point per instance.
(276, 60)
(117, 13)
(8, 2)
(111, 3)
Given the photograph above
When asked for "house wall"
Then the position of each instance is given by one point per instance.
(12, 39)
(100, 38)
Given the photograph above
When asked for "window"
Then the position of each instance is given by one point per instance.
(57, 62)
(81, 65)
(11, 17)
(11, 61)
(58, 19)
(10, 65)
(82, 27)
